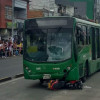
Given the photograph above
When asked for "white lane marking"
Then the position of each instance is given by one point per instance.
(11, 81)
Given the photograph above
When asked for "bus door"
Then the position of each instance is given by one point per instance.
(80, 41)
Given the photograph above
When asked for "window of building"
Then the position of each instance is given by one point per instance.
(59, 9)
(8, 12)
(98, 1)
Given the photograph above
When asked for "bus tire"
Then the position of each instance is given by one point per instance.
(41, 81)
(79, 85)
(83, 79)
(87, 69)
(85, 72)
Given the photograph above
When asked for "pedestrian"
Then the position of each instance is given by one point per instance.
(15, 48)
(20, 48)
(10, 48)
(6, 48)
(1, 49)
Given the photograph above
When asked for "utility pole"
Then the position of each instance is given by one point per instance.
(13, 4)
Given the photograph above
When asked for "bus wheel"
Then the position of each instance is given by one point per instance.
(80, 85)
(83, 79)
(85, 72)
(85, 76)
(41, 81)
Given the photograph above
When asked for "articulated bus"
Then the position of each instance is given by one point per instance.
(63, 48)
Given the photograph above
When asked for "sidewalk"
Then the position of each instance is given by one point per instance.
(11, 66)
(12, 57)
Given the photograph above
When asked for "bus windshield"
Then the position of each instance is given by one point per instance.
(48, 45)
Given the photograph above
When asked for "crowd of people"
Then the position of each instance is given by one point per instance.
(8, 49)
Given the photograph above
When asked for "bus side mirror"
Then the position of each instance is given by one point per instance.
(75, 52)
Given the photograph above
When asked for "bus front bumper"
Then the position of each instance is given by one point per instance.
(43, 76)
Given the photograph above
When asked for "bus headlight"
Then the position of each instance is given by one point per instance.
(26, 68)
(29, 71)
(68, 68)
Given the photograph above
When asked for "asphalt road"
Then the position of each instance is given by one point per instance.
(11, 66)
(21, 89)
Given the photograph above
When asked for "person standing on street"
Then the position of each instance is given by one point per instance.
(1, 49)
(10, 48)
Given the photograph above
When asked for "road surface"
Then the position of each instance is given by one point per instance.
(11, 66)
(21, 89)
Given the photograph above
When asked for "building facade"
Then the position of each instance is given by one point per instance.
(21, 8)
(40, 4)
(80, 8)
(48, 7)
(97, 11)
(35, 13)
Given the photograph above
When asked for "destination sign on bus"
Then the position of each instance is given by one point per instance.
(49, 22)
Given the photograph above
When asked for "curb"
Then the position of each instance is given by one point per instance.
(5, 79)
(19, 75)
(10, 78)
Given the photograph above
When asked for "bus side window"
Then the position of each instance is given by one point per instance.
(93, 43)
(84, 29)
(89, 35)
(98, 40)
(79, 38)
(79, 35)
(99, 43)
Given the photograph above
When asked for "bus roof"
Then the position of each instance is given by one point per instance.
(77, 20)
(86, 22)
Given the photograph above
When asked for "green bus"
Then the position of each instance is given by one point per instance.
(63, 48)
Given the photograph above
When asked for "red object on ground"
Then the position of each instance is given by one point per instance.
(72, 82)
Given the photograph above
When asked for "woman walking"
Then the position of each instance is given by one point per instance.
(10, 48)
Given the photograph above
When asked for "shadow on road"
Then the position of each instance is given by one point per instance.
(38, 85)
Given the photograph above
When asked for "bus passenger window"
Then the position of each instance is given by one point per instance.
(80, 38)
(93, 43)
(97, 40)
(89, 39)
(77, 36)
(84, 30)
(99, 44)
